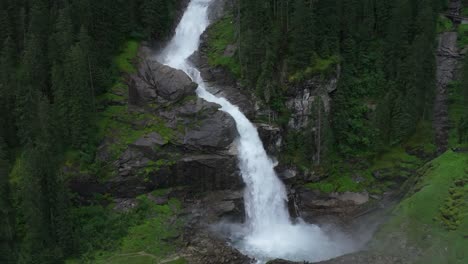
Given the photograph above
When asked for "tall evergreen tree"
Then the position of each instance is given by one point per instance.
(7, 91)
(302, 40)
(7, 227)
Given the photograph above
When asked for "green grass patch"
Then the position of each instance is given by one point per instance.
(462, 35)
(464, 12)
(125, 127)
(124, 60)
(395, 164)
(147, 234)
(422, 138)
(420, 219)
(220, 35)
(336, 184)
(457, 110)
(444, 24)
(320, 66)
(396, 156)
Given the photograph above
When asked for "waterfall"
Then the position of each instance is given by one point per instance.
(269, 232)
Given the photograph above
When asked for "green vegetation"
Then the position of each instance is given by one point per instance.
(457, 110)
(60, 94)
(464, 11)
(336, 184)
(144, 234)
(435, 209)
(444, 24)
(221, 35)
(322, 67)
(120, 124)
(124, 61)
(462, 35)
(386, 74)
(393, 165)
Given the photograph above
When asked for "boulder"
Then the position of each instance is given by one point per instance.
(271, 137)
(173, 85)
(207, 248)
(314, 203)
(356, 198)
(217, 131)
(155, 82)
(230, 91)
(148, 143)
(125, 205)
(208, 172)
(220, 81)
(218, 9)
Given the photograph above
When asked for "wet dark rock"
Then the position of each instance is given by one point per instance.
(460, 150)
(220, 81)
(155, 82)
(234, 95)
(383, 174)
(315, 203)
(356, 258)
(282, 261)
(271, 137)
(207, 248)
(125, 205)
(366, 258)
(288, 174)
(217, 131)
(218, 9)
(303, 99)
(149, 143)
(86, 186)
(202, 235)
(208, 172)
(447, 63)
(160, 200)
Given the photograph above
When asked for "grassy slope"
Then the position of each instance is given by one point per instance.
(220, 35)
(432, 223)
(115, 121)
(144, 235)
(444, 24)
(395, 161)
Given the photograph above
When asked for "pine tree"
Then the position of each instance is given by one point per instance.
(62, 38)
(7, 232)
(155, 18)
(80, 105)
(36, 242)
(7, 91)
(302, 45)
(327, 27)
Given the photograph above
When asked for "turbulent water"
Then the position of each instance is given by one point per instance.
(268, 232)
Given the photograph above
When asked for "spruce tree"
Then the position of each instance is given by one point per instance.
(302, 45)
(7, 91)
(80, 100)
(155, 18)
(7, 227)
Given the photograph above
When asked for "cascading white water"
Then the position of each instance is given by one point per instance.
(269, 232)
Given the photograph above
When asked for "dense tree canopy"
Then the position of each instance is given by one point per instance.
(386, 51)
(56, 57)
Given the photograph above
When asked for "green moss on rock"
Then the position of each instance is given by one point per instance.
(220, 35)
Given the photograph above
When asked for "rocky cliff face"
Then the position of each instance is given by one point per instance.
(194, 149)
(304, 98)
(447, 63)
